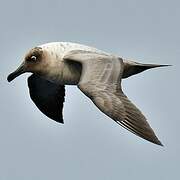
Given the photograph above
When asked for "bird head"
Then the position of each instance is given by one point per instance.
(33, 62)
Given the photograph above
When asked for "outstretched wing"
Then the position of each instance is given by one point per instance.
(47, 96)
(101, 82)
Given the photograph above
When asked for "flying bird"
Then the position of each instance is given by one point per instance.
(96, 73)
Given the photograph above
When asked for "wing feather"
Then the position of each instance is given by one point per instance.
(101, 82)
(47, 96)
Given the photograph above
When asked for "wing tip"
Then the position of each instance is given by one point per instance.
(157, 142)
(154, 140)
(59, 120)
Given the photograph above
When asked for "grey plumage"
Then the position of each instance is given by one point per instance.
(101, 82)
(96, 73)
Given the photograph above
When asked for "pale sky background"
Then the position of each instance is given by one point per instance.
(90, 145)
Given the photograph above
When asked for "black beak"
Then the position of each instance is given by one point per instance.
(20, 70)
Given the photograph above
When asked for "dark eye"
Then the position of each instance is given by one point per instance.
(33, 58)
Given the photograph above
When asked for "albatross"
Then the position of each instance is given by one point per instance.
(96, 73)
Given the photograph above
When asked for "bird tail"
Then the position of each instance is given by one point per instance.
(132, 68)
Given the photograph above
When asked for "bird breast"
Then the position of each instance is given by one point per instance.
(61, 72)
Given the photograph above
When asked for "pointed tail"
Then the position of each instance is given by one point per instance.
(132, 68)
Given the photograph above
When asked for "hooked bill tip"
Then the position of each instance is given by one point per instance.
(20, 70)
(10, 77)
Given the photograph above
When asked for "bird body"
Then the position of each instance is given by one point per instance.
(60, 71)
(96, 73)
